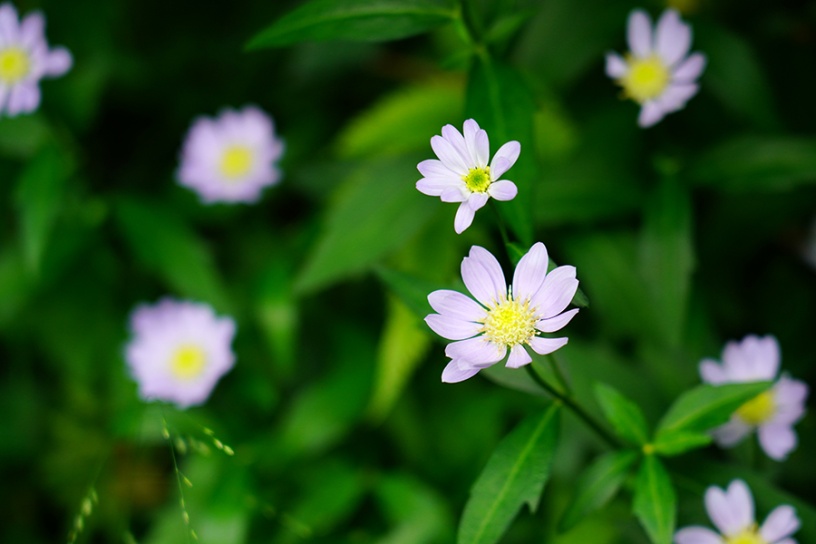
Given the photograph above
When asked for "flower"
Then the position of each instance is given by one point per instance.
(732, 512)
(462, 174)
(502, 317)
(657, 73)
(774, 412)
(25, 59)
(231, 158)
(179, 351)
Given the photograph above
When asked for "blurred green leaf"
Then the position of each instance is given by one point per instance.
(355, 20)
(404, 342)
(277, 313)
(625, 416)
(757, 163)
(667, 257)
(597, 486)
(655, 503)
(501, 102)
(705, 407)
(375, 211)
(23, 136)
(515, 474)
(677, 442)
(413, 292)
(418, 513)
(168, 247)
(14, 282)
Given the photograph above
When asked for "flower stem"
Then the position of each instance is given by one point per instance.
(572, 405)
(559, 375)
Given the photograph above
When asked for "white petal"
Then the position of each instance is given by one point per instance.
(32, 30)
(8, 23)
(673, 37)
(697, 535)
(712, 372)
(674, 98)
(483, 276)
(544, 346)
(518, 357)
(777, 440)
(503, 190)
(436, 186)
(616, 67)
(639, 33)
(455, 138)
(732, 432)
(556, 292)
(464, 217)
(470, 129)
(509, 152)
(452, 328)
(457, 193)
(530, 272)
(455, 373)
(556, 323)
(690, 69)
(455, 304)
(431, 168)
(650, 114)
(58, 62)
(476, 351)
(742, 503)
(780, 523)
(723, 512)
(23, 98)
(481, 148)
(477, 200)
(449, 156)
(752, 359)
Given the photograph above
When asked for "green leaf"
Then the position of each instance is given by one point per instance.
(23, 136)
(376, 211)
(277, 313)
(355, 20)
(706, 407)
(501, 102)
(655, 503)
(514, 475)
(677, 442)
(412, 291)
(625, 416)
(416, 511)
(597, 486)
(169, 248)
(667, 257)
(757, 163)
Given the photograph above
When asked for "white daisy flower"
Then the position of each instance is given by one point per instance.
(772, 413)
(462, 174)
(232, 157)
(657, 73)
(25, 59)
(732, 511)
(502, 317)
(179, 351)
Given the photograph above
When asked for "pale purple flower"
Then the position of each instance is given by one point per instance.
(502, 317)
(25, 59)
(658, 72)
(772, 413)
(462, 173)
(732, 512)
(179, 351)
(232, 157)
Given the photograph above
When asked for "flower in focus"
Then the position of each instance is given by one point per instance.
(232, 157)
(25, 59)
(462, 174)
(502, 317)
(179, 351)
(774, 412)
(732, 511)
(657, 73)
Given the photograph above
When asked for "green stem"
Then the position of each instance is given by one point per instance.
(559, 374)
(582, 414)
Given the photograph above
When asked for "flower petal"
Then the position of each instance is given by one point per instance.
(483, 276)
(639, 33)
(470, 128)
(777, 440)
(780, 523)
(455, 373)
(477, 200)
(503, 190)
(449, 156)
(556, 323)
(58, 62)
(732, 432)
(455, 304)
(23, 98)
(477, 351)
(452, 328)
(455, 138)
(454, 194)
(464, 217)
(690, 69)
(650, 114)
(616, 67)
(544, 346)
(518, 357)
(697, 535)
(712, 372)
(434, 168)
(481, 150)
(32, 30)
(8, 24)
(672, 37)
(510, 153)
(556, 292)
(436, 186)
(752, 359)
(530, 272)
(674, 98)
(724, 512)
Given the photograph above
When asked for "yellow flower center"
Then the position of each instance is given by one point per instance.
(188, 362)
(646, 79)
(758, 410)
(236, 161)
(747, 536)
(477, 179)
(510, 323)
(14, 65)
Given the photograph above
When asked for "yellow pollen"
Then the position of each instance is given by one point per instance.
(14, 65)
(510, 323)
(646, 79)
(758, 410)
(236, 161)
(477, 179)
(747, 536)
(188, 362)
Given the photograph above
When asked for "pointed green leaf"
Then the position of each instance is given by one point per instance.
(625, 416)
(677, 442)
(355, 20)
(655, 503)
(514, 475)
(597, 486)
(706, 407)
